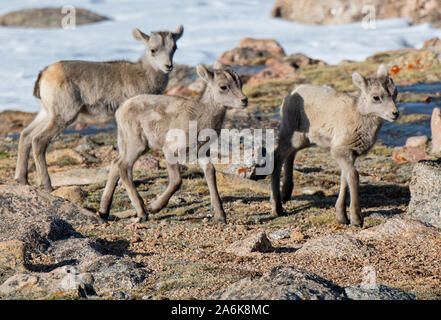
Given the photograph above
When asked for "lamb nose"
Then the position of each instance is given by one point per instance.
(169, 66)
(244, 101)
(396, 114)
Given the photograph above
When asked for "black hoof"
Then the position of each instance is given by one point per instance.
(143, 219)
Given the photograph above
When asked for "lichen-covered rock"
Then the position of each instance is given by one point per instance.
(255, 243)
(12, 254)
(37, 222)
(433, 44)
(47, 18)
(397, 227)
(425, 192)
(283, 283)
(435, 126)
(73, 194)
(376, 292)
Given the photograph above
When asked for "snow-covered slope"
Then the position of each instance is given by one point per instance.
(211, 27)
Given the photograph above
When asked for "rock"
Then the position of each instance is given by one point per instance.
(81, 126)
(47, 18)
(34, 216)
(86, 144)
(12, 255)
(146, 163)
(435, 126)
(283, 283)
(19, 283)
(412, 60)
(412, 154)
(56, 156)
(60, 280)
(246, 162)
(255, 243)
(296, 236)
(334, 246)
(416, 141)
(252, 52)
(298, 60)
(397, 227)
(120, 295)
(376, 292)
(280, 234)
(124, 214)
(46, 225)
(79, 176)
(345, 11)
(72, 279)
(425, 192)
(277, 71)
(73, 194)
(433, 44)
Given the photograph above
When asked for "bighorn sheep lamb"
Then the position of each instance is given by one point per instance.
(69, 88)
(348, 126)
(144, 122)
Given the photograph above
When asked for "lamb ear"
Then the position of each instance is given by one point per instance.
(140, 36)
(204, 73)
(218, 65)
(178, 33)
(359, 81)
(382, 71)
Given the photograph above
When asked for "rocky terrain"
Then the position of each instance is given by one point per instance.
(53, 247)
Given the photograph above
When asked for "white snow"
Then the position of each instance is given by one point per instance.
(211, 27)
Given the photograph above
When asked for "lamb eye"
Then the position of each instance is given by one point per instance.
(224, 88)
(153, 51)
(377, 99)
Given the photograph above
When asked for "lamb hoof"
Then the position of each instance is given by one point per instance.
(103, 215)
(136, 223)
(342, 221)
(221, 220)
(22, 181)
(47, 188)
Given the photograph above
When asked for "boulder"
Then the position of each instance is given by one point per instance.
(416, 141)
(47, 18)
(433, 44)
(334, 246)
(12, 255)
(277, 71)
(435, 126)
(253, 52)
(376, 292)
(397, 227)
(146, 163)
(405, 154)
(280, 234)
(80, 176)
(39, 223)
(425, 192)
(73, 194)
(283, 283)
(345, 11)
(255, 243)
